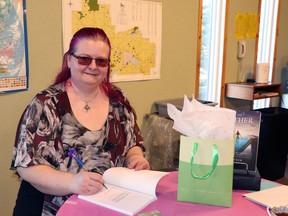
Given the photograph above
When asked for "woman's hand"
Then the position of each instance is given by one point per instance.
(58, 183)
(86, 183)
(136, 160)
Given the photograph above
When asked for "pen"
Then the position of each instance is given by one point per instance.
(72, 153)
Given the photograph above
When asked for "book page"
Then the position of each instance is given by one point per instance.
(119, 199)
(273, 197)
(143, 181)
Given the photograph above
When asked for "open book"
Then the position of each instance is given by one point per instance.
(273, 197)
(128, 191)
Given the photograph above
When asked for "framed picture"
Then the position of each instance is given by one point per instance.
(13, 46)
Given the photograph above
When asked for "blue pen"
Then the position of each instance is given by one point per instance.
(72, 153)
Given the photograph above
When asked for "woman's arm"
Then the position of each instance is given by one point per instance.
(136, 160)
(58, 183)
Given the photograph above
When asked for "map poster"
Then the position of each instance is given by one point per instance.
(13, 46)
(134, 28)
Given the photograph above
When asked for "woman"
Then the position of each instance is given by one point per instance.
(82, 111)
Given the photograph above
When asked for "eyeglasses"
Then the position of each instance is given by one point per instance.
(85, 60)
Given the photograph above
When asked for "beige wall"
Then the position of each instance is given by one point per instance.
(179, 43)
(246, 6)
(231, 68)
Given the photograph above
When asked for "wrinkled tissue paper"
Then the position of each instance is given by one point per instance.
(197, 120)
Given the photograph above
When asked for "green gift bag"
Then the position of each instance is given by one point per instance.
(206, 171)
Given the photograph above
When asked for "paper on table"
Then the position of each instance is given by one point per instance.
(201, 121)
(273, 197)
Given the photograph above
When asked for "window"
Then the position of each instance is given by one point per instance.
(266, 42)
(212, 43)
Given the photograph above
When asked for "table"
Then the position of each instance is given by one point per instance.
(168, 205)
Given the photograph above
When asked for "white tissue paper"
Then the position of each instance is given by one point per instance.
(201, 121)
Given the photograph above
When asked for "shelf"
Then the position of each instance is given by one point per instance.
(252, 91)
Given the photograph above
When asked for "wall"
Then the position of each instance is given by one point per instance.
(246, 6)
(179, 36)
(232, 63)
(179, 43)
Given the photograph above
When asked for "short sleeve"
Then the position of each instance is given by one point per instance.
(36, 140)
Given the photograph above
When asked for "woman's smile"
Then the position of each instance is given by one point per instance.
(91, 74)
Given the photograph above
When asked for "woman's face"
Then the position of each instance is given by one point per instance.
(91, 74)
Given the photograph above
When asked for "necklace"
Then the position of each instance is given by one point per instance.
(87, 107)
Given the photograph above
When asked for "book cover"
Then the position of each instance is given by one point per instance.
(128, 191)
(247, 129)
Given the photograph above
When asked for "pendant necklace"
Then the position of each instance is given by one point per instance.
(87, 107)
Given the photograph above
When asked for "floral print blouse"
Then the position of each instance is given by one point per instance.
(48, 128)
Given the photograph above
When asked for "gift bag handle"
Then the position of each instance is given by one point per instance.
(215, 159)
